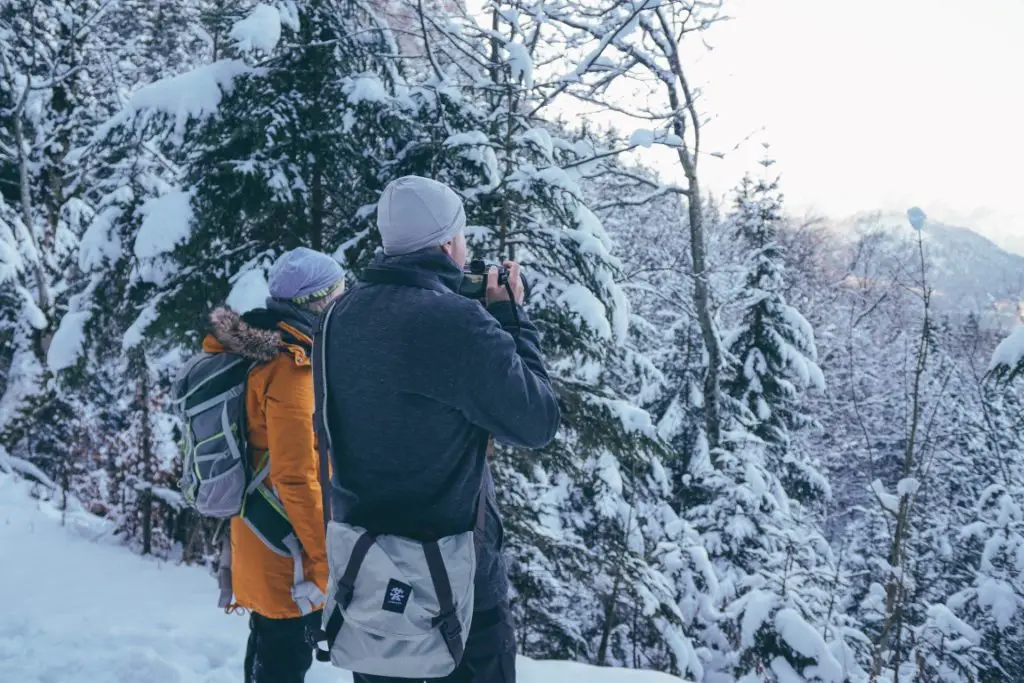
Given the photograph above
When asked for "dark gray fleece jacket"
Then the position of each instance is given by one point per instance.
(418, 379)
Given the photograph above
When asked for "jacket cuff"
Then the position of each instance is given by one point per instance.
(504, 313)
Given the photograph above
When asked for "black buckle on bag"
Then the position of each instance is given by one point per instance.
(450, 626)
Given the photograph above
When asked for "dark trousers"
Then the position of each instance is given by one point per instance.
(490, 653)
(279, 650)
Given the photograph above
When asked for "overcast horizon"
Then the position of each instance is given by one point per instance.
(877, 106)
(880, 105)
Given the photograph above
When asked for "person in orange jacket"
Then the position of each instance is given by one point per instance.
(279, 415)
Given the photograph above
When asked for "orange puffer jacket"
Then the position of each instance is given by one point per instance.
(279, 412)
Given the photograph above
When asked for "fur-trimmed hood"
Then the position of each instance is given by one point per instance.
(239, 337)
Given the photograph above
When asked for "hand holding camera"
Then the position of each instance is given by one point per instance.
(491, 283)
(500, 288)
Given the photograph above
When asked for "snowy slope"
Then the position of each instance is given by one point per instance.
(76, 608)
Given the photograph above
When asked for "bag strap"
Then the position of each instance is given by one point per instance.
(343, 596)
(447, 620)
(227, 590)
(323, 434)
(481, 518)
(481, 501)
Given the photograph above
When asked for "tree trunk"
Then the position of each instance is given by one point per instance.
(702, 301)
(40, 338)
(317, 210)
(894, 584)
(609, 622)
(146, 495)
(65, 486)
(682, 101)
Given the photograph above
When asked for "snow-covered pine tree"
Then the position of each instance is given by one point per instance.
(144, 470)
(761, 569)
(645, 218)
(215, 64)
(991, 595)
(620, 50)
(665, 346)
(772, 347)
(110, 176)
(1007, 362)
(959, 597)
(272, 141)
(54, 90)
(924, 618)
(986, 549)
(12, 293)
(776, 571)
(735, 501)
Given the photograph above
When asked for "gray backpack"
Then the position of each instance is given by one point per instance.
(209, 395)
(217, 479)
(396, 606)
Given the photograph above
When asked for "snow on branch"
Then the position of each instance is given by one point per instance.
(261, 30)
(634, 420)
(68, 341)
(645, 137)
(249, 291)
(168, 496)
(1008, 358)
(889, 502)
(166, 223)
(806, 640)
(582, 302)
(195, 95)
(135, 333)
(11, 463)
(520, 64)
(10, 258)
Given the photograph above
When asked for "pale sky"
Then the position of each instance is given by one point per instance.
(877, 104)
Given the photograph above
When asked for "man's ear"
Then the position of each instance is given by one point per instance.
(447, 247)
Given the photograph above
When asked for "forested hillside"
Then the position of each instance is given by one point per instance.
(782, 458)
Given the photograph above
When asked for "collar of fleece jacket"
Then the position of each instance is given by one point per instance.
(262, 334)
(433, 263)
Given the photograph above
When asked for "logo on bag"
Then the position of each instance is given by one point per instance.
(396, 597)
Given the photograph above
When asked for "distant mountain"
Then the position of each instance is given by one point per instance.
(968, 271)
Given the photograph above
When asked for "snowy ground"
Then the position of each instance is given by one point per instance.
(75, 608)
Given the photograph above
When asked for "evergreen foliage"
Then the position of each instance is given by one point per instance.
(154, 161)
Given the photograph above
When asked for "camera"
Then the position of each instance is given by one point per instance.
(474, 279)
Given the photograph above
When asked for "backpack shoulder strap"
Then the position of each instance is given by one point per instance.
(323, 434)
(481, 500)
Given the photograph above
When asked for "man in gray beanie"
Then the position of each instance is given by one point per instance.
(425, 379)
(417, 213)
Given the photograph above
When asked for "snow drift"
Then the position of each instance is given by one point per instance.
(79, 607)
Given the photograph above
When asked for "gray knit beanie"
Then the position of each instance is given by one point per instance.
(303, 275)
(415, 213)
